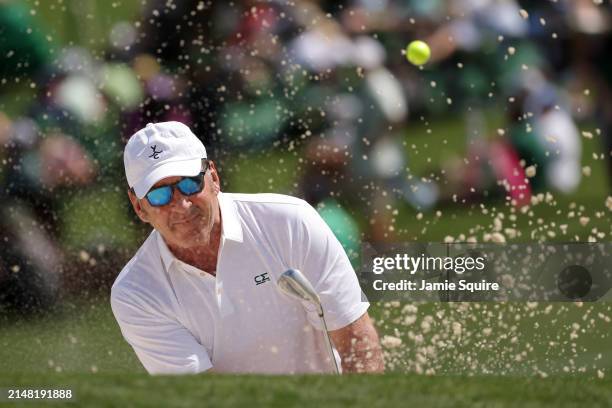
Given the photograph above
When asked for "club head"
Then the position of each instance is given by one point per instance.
(293, 283)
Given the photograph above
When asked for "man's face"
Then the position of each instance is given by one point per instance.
(187, 221)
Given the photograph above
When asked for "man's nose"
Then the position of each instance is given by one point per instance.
(179, 200)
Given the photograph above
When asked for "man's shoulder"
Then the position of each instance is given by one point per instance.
(270, 207)
(271, 199)
(138, 275)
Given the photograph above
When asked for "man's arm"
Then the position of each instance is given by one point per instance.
(359, 347)
(162, 345)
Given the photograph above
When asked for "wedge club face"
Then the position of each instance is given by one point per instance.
(293, 283)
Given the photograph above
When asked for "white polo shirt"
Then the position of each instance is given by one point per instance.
(180, 319)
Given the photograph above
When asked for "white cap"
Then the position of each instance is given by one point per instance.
(160, 150)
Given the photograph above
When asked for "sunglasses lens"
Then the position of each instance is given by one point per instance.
(160, 196)
(187, 186)
(190, 185)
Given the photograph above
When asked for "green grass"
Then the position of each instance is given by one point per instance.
(81, 22)
(103, 390)
(83, 337)
(80, 337)
(514, 339)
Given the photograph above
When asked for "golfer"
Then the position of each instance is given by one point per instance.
(200, 294)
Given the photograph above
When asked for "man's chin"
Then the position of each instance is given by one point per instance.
(189, 239)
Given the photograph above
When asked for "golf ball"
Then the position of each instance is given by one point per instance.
(418, 52)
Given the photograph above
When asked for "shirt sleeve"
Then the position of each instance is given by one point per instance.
(325, 264)
(162, 344)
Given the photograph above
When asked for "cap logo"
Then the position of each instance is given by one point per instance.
(155, 153)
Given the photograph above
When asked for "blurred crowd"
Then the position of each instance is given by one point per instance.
(326, 80)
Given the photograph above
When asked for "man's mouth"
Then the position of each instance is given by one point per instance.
(186, 220)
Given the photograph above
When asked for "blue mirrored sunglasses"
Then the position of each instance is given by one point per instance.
(161, 196)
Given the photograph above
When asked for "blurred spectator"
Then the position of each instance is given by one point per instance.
(559, 148)
(22, 45)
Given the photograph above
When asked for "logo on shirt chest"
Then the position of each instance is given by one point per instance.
(259, 279)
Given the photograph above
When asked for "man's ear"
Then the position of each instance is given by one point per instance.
(138, 209)
(215, 176)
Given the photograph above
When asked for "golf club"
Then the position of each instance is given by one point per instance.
(294, 284)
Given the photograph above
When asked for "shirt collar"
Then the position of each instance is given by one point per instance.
(230, 222)
(230, 229)
(166, 256)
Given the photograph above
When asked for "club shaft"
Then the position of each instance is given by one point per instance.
(328, 342)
